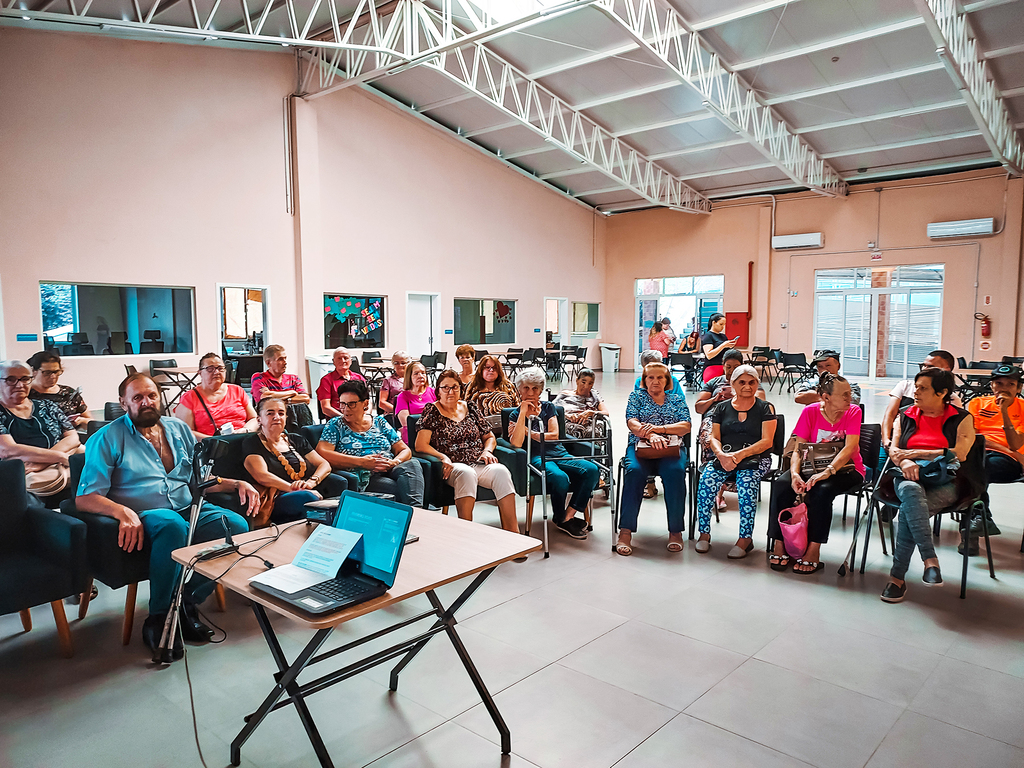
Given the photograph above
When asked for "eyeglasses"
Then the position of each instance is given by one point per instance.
(215, 369)
(490, 368)
(58, 372)
(13, 381)
(452, 388)
(350, 404)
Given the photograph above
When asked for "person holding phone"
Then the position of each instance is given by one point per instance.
(714, 343)
(215, 407)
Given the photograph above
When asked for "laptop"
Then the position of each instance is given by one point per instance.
(368, 570)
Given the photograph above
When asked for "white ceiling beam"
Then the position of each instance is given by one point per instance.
(593, 58)
(695, 64)
(903, 144)
(699, 148)
(727, 171)
(693, 117)
(851, 84)
(561, 174)
(532, 106)
(1013, 93)
(743, 13)
(965, 163)
(982, 5)
(825, 45)
(958, 52)
(998, 53)
(604, 191)
(893, 115)
(632, 94)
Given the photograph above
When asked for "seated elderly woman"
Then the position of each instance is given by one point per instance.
(214, 407)
(454, 431)
(491, 391)
(285, 469)
(414, 398)
(832, 420)
(46, 370)
(38, 433)
(466, 356)
(394, 384)
(370, 447)
(930, 430)
(657, 420)
(742, 429)
(583, 407)
(566, 474)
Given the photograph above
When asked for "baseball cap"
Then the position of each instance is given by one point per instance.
(1007, 371)
(825, 354)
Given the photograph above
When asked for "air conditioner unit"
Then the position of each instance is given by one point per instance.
(792, 242)
(965, 228)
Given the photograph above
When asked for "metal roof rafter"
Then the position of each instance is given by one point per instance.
(533, 106)
(959, 53)
(695, 64)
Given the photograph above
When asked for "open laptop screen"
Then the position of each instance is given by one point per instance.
(384, 526)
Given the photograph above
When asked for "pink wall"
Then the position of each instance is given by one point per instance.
(140, 163)
(665, 244)
(407, 208)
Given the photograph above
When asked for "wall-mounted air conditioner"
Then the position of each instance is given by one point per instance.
(965, 228)
(793, 242)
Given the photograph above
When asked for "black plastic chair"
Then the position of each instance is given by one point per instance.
(112, 411)
(684, 363)
(793, 369)
(151, 347)
(971, 484)
(689, 498)
(107, 561)
(42, 555)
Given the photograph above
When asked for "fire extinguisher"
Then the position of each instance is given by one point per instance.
(986, 324)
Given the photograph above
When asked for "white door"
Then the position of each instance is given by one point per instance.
(420, 320)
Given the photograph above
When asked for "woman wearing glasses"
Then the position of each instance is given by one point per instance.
(214, 407)
(453, 431)
(46, 370)
(491, 391)
(37, 432)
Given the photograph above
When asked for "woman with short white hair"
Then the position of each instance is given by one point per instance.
(567, 477)
(742, 429)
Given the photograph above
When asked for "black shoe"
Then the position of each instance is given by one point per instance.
(192, 629)
(932, 576)
(153, 628)
(975, 547)
(893, 593)
(576, 527)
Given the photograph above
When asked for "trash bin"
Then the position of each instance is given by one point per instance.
(610, 357)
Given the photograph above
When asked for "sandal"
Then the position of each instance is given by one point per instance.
(675, 546)
(623, 549)
(808, 563)
(779, 562)
(650, 492)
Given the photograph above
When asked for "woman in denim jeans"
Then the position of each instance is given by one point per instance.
(929, 429)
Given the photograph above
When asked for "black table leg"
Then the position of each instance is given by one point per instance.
(286, 678)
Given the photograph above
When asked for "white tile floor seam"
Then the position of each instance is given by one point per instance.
(658, 659)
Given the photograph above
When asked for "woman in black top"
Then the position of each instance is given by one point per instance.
(46, 370)
(743, 429)
(285, 468)
(714, 343)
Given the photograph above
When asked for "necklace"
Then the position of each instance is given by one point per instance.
(272, 447)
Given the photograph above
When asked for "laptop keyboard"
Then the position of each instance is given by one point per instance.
(339, 589)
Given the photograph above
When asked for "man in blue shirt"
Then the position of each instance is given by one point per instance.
(137, 471)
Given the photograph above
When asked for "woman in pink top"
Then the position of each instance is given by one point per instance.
(658, 340)
(832, 419)
(214, 407)
(415, 397)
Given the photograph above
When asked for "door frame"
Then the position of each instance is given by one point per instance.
(435, 318)
(563, 320)
(220, 308)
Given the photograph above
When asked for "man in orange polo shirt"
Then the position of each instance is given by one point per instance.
(1000, 418)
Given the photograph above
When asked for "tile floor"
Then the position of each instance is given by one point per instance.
(595, 660)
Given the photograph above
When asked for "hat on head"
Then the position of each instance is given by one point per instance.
(825, 354)
(1007, 371)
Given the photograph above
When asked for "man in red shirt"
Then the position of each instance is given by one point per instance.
(1000, 418)
(327, 392)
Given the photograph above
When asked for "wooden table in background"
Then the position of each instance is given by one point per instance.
(448, 549)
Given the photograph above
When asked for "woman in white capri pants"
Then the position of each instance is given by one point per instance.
(454, 431)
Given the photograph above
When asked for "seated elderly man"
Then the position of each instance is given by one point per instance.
(327, 392)
(1000, 418)
(137, 471)
(807, 392)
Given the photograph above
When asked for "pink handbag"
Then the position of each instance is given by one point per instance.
(793, 522)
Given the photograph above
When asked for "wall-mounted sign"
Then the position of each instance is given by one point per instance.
(876, 255)
(988, 301)
(536, 330)
(28, 337)
(449, 331)
(985, 346)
